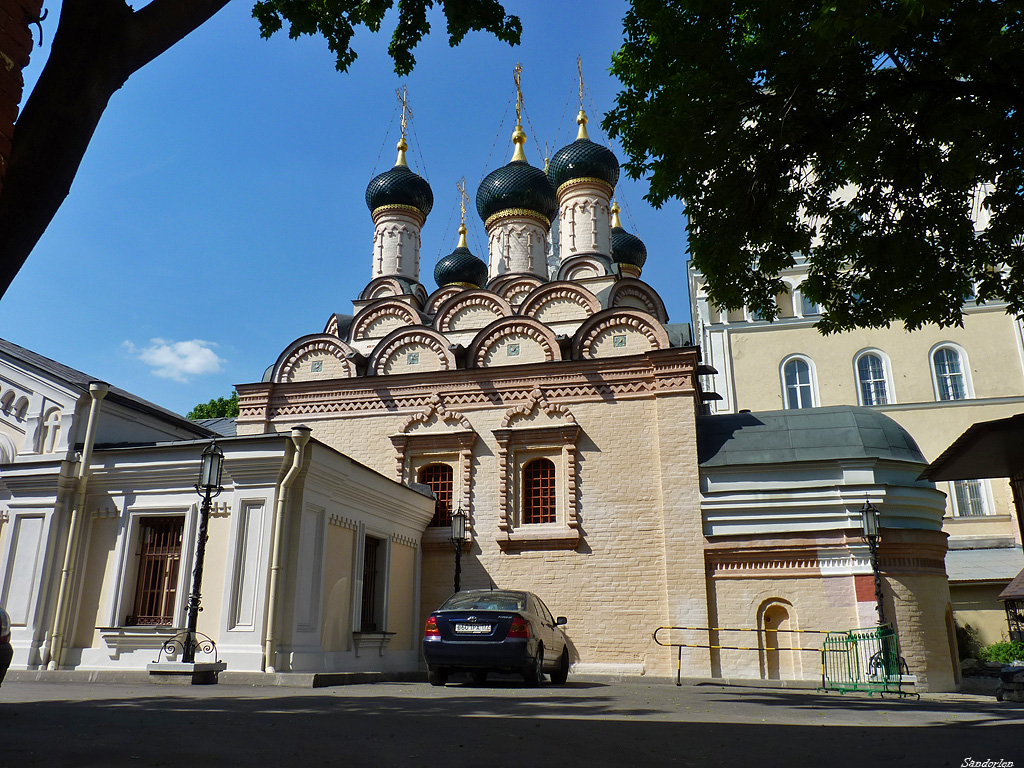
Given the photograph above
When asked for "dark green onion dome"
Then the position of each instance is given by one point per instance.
(516, 186)
(460, 267)
(583, 159)
(626, 248)
(400, 187)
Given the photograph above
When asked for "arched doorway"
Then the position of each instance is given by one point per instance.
(777, 659)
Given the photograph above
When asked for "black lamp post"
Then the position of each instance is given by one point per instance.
(207, 487)
(458, 538)
(869, 521)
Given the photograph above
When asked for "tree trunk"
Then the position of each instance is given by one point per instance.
(97, 46)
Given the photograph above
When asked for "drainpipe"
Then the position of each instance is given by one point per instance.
(300, 436)
(98, 390)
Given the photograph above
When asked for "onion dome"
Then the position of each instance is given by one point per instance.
(583, 159)
(517, 186)
(399, 187)
(460, 267)
(627, 250)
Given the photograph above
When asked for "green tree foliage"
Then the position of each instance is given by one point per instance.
(854, 132)
(1004, 652)
(99, 44)
(218, 408)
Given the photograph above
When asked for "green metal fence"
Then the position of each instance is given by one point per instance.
(864, 660)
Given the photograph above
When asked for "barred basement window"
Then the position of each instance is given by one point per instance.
(539, 492)
(440, 479)
(159, 553)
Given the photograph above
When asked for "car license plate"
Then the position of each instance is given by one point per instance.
(472, 629)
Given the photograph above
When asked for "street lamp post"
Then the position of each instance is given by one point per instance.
(869, 521)
(207, 487)
(458, 538)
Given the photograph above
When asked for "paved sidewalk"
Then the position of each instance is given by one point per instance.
(498, 724)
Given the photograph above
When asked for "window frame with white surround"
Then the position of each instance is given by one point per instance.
(965, 368)
(886, 376)
(812, 382)
(118, 634)
(984, 499)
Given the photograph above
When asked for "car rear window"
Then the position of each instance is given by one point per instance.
(486, 602)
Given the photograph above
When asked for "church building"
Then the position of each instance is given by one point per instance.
(542, 390)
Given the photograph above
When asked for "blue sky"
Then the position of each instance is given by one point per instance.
(218, 214)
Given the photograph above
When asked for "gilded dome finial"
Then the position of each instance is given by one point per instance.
(518, 135)
(581, 118)
(615, 215)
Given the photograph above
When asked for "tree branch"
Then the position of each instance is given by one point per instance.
(97, 46)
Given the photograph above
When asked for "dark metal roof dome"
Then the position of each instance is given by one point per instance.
(400, 186)
(627, 248)
(583, 159)
(517, 185)
(460, 266)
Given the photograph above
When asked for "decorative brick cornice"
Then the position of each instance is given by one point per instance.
(668, 371)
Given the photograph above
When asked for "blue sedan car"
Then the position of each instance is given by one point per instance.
(495, 630)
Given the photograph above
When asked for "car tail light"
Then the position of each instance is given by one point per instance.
(519, 628)
(431, 629)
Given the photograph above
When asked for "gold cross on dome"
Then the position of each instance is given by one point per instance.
(403, 98)
(516, 74)
(462, 195)
(579, 68)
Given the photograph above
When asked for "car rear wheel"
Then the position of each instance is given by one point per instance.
(479, 676)
(561, 674)
(535, 672)
(437, 676)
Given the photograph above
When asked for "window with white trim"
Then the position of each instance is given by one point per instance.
(158, 565)
(969, 498)
(949, 374)
(797, 384)
(872, 382)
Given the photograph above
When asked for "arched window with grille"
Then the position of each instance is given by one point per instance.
(872, 379)
(949, 372)
(539, 492)
(440, 479)
(798, 383)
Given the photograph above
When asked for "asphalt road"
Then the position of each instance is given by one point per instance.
(497, 724)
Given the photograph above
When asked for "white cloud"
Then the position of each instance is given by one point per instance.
(178, 360)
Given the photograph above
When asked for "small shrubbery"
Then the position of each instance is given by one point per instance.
(968, 642)
(1003, 652)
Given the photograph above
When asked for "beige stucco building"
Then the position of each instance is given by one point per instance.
(545, 392)
(935, 382)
